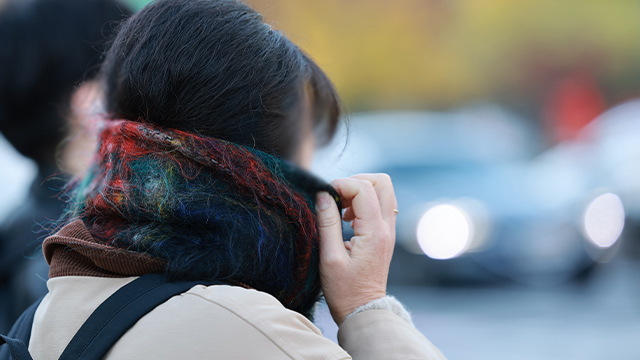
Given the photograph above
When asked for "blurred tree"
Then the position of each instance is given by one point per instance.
(439, 53)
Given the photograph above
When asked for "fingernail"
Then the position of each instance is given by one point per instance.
(323, 201)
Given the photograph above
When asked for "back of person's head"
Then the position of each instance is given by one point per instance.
(203, 102)
(47, 48)
(215, 67)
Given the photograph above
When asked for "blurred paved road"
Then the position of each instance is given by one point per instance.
(599, 320)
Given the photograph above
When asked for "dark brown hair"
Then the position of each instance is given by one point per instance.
(214, 67)
(47, 48)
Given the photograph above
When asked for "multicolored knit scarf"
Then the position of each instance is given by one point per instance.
(210, 208)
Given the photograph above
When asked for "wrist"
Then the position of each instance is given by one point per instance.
(387, 302)
(340, 313)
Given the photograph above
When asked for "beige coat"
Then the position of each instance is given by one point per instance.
(220, 322)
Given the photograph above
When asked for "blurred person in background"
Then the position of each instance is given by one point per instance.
(211, 118)
(47, 49)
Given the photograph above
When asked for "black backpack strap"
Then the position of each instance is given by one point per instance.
(120, 312)
(18, 336)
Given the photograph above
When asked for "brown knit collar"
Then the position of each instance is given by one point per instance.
(72, 251)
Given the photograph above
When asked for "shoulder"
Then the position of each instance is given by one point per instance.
(225, 322)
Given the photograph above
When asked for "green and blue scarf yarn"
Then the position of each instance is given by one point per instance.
(210, 208)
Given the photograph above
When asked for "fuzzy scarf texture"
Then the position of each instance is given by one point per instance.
(210, 209)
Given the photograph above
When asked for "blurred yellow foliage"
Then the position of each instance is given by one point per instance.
(436, 53)
(421, 53)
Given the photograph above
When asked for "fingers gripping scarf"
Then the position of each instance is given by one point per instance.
(210, 208)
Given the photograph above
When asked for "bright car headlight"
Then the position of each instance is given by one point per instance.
(444, 231)
(603, 220)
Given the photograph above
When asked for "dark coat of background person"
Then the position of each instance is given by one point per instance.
(47, 48)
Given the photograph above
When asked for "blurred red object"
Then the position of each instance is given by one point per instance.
(574, 101)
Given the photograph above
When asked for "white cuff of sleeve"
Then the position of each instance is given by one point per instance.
(389, 303)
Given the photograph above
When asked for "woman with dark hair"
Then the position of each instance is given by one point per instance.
(211, 116)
